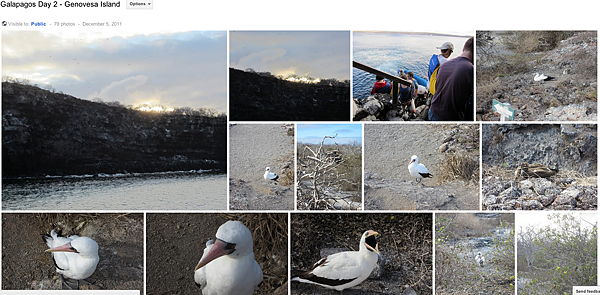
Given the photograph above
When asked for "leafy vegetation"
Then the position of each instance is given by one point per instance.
(554, 258)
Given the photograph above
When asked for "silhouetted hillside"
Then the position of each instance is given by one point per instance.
(46, 133)
(255, 97)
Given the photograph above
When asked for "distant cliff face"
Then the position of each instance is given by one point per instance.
(45, 133)
(253, 97)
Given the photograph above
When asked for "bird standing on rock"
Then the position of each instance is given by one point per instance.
(417, 170)
(480, 259)
(270, 176)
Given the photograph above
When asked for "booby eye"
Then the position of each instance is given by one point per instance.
(230, 247)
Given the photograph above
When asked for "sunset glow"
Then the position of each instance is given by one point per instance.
(303, 80)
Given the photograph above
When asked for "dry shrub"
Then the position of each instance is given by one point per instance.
(66, 223)
(459, 166)
(286, 175)
(272, 228)
(534, 41)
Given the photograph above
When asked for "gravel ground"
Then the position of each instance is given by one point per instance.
(120, 237)
(405, 244)
(176, 241)
(388, 149)
(253, 147)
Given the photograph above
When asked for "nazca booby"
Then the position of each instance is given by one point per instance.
(480, 259)
(227, 266)
(417, 170)
(270, 176)
(542, 77)
(344, 270)
(75, 257)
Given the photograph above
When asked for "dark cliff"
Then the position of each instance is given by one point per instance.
(46, 133)
(255, 97)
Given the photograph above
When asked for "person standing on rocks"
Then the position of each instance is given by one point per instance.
(453, 98)
(436, 61)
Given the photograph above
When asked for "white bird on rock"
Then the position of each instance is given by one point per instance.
(75, 258)
(542, 77)
(417, 170)
(227, 266)
(344, 270)
(480, 259)
(270, 176)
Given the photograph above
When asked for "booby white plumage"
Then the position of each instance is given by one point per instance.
(344, 270)
(542, 77)
(74, 257)
(270, 176)
(227, 266)
(480, 259)
(417, 170)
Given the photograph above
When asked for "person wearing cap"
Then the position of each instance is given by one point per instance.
(436, 61)
(453, 99)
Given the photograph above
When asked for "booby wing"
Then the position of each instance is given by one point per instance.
(200, 275)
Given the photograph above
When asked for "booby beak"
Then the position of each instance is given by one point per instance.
(371, 241)
(64, 248)
(218, 249)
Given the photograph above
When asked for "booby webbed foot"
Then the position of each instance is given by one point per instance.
(69, 284)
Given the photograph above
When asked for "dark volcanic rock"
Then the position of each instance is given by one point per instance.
(255, 97)
(45, 133)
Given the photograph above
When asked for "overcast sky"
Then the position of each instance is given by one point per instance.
(175, 69)
(316, 54)
(540, 219)
(346, 133)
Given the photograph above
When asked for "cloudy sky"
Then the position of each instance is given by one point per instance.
(540, 219)
(346, 133)
(174, 69)
(316, 54)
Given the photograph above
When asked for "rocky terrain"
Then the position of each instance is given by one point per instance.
(567, 147)
(255, 97)
(47, 133)
(506, 75)
(252, 148)
(404, 240)
(449, 151)
(120, 237)
(378, 107)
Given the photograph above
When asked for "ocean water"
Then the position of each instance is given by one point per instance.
(175, 191)
(390, 52)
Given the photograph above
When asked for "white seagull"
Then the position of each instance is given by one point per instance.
(542, 77)
(270, 176)
(480, 259)
(227, 266)
(75, 257)
(344, 270)
(418, 170)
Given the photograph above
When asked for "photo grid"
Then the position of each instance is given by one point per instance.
(300, 162)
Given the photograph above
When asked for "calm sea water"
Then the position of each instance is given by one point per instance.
(390, 52)
(145, 192)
